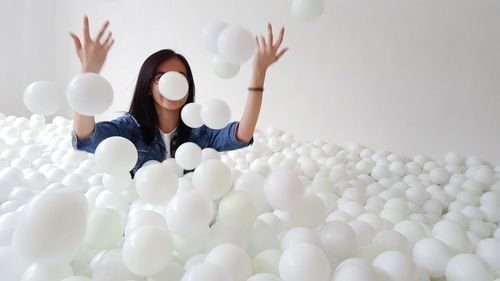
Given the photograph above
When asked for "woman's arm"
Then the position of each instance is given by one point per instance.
(92, 55)
(265, 55)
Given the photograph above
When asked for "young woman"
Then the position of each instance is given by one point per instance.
(153, 122)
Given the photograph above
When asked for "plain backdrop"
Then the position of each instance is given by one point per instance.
(408, 76)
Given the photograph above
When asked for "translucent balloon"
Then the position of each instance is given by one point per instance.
(116, 155)
(338, 238)
(212, 178)
(156, 183)
(224, 69)
(267, 261)
(188, 155)
(117, 183)
(76, 278)
(232, 259)
(283, 189)
(104, 229)
(488, 250)
(173, 85)
(52, 225)
(309, 212)
(464, 267)
(109, 265)
(43, 97)
(307, 10)
(47, 271)
(432, 255)
(143, 218)
(394, 266)
(314, 264)
(263, 277)
(89, 94)
(206, 272)
(299, 235)
(235, 44)
(210, 34)
(390, 240)
(237, 206)
(215, 113)
(209, 153)
(189, 213)
(191, 115)
(173, 272)
(148, 250)
(354, 269)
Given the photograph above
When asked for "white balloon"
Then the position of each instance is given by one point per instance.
(234, 260)
(148, 250)
(224, 69)
(104, 229)
(156, 183)
(143, 218)
(43, 97)
(212, 178)
(46, 271)
(215, 113)
(116, 155)
(314, 264)
(89, 94)
(236, 44)
(188, 155)
(206, 272)
(210, 34)
(465, 267)
(189, 213)
(52, 225)
(173, 85)
(283, 189)
(191, 115)
(432, 255)
(307, 10)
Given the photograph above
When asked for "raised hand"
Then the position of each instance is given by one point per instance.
(267, 51)
(92, 53)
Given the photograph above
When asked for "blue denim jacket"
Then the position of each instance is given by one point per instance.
(127, 126)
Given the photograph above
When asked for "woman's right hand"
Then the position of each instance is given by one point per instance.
(92, 53)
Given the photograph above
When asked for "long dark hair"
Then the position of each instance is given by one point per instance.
(142, 106)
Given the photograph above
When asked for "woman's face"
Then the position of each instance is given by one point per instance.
(173, 64)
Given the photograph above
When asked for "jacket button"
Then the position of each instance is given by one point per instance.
(174, 142)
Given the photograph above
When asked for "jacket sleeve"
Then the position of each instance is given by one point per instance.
(102, 130)
(225, 139)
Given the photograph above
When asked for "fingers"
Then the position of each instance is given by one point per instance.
(270, 33)
(281, 53)
(262, 42)
(109, 45)
(86, 30)
(108, 39)
(257, 42)
(101, 32)
(76, 40)
(280, 38)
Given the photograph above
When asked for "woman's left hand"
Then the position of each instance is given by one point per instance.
(267, 51)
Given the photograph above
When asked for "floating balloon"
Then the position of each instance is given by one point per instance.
(307, 10)
(235, 44)
(188, 155)
(191, 115)
(210, 34)
(89, 94)
(43, 98)
(173, 85)
(116, 155)
(215, 113)
(224, 69)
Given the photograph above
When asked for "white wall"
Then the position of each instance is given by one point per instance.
(403, 75)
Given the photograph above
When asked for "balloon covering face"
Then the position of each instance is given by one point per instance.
(170, 87)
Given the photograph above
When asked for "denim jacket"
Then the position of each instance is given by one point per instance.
(127, 126)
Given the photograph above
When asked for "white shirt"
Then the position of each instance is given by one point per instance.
(167, 138)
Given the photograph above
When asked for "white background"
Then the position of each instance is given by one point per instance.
(402, 75)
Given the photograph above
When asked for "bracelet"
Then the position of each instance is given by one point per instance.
(255, 89)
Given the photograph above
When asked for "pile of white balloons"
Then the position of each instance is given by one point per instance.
(231, 46)
(276, 210)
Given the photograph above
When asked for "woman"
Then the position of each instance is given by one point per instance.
(153, 122)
